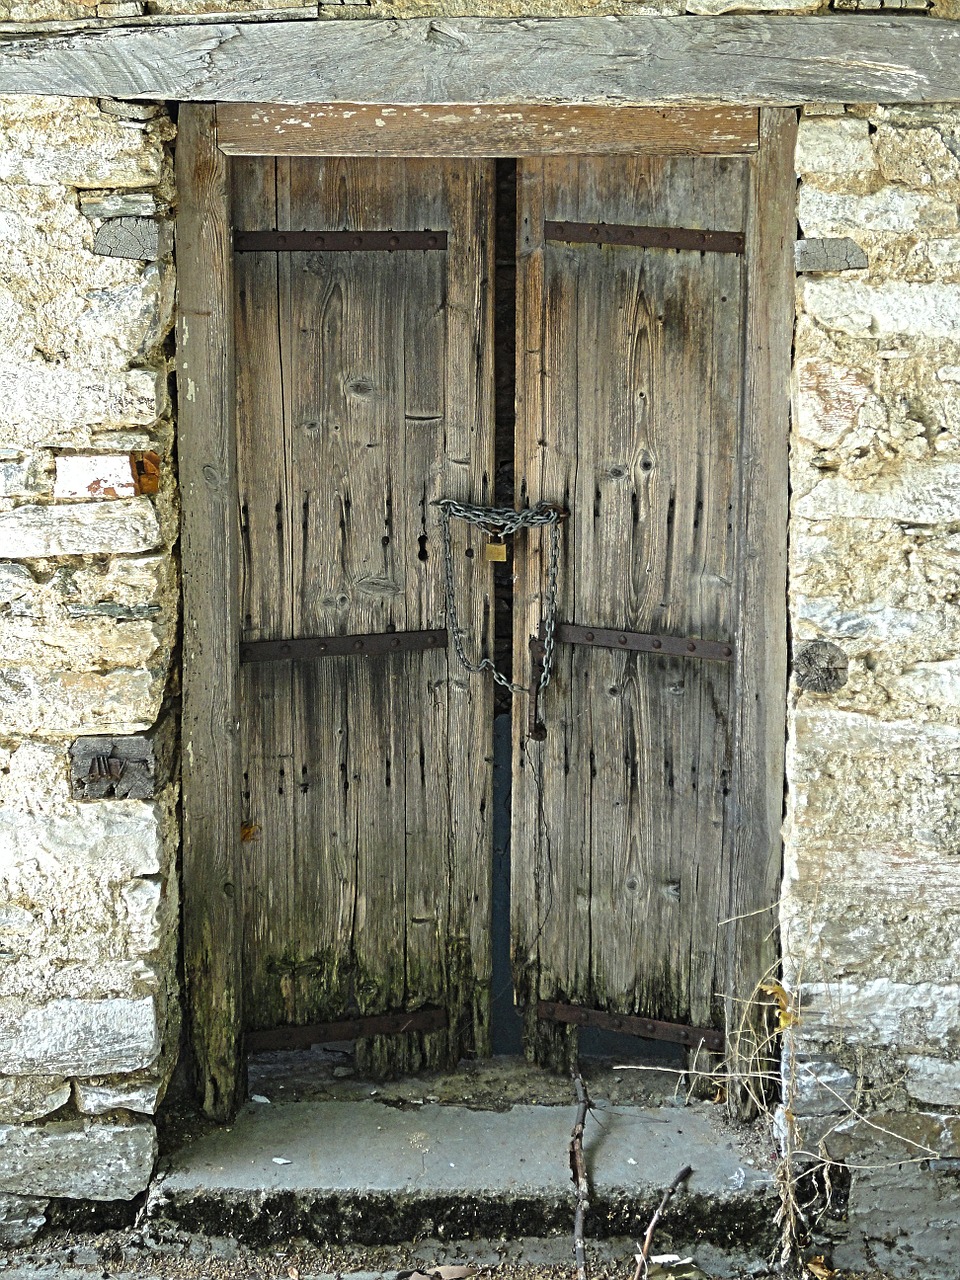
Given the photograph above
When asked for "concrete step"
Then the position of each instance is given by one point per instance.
(376, 1173)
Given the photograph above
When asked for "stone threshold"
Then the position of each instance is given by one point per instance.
(375, 1171)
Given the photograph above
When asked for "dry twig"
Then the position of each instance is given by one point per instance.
(578, 1171)
(644, 1253)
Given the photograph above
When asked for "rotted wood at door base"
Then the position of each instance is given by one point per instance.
(364, 394)
(629, 414)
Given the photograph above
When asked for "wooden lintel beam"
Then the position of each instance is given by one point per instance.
(756, 60)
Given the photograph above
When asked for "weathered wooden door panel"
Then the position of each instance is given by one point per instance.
(364, 394)
(629, 412)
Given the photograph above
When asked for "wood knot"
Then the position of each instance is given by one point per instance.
(820, 667)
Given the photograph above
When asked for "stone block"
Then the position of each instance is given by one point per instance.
(21, 1219)
(68, 703)
(137, 767)
(25, 1098)
(935, 1081)
(889, 309)
(925, 493)
(71, 141)
(894, 210)
(110, 475)
(118, 204)
(84, 1160)
(45, 405)
(77, 529)
(34, 777)
(23, 475)
(66, 304)
(917, 1017)
(870, 882)
(77, 1037)
(710, 7)
(835, 150)
(815, 1086)
(920, 158)
(141, 1094)
(90, 909)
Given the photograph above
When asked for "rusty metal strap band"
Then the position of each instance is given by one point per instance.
(645, 237)
(630, 1024)
(641, 642)
(336, 241)
(379, 1024)
(342, 646)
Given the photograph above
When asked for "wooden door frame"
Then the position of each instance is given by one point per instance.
(210, 540)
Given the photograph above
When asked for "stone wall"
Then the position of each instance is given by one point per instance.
(871, 905)
(89, 1010)
(88, 589)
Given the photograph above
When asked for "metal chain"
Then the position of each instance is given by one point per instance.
(503, 522)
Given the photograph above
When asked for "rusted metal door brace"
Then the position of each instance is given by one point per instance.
(342, 646)
(378, 1024)
(641, 642)
(630, 1024)
(645, 237)
(336, 241)
(609, 638)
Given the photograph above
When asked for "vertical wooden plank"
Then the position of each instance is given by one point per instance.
(381, 899)
(637, 378)
(210, 552)
(756, 807)
(263, 482)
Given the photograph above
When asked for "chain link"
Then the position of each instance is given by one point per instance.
(503, 522)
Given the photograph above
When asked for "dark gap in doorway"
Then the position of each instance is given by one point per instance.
(505, 1022)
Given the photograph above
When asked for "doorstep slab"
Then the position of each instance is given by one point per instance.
(369, 1172)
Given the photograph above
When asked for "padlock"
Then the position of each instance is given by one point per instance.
(495, 551)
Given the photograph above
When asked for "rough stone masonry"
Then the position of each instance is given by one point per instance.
(89, 1011)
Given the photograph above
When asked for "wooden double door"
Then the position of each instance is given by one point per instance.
(365, 369)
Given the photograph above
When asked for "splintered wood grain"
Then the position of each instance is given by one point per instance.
(471, 129)
(773, 60)
(386, 406)
(621, 880)
(209, 548)
(750, 931)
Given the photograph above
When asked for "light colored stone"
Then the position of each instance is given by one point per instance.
(835, 147)
(891, 209)
(118, 204)
(51, 405)
(75, 702)
(66, 304)
(917, 494)
(890, 308)
(21, 1219)
(949, 373)
(100, 476)
(71, 141)
(85, 1160)
(877, 1012)
(77, 1037)
(933, 1080)
(30, 1097)
(919, 158)
(870, 875)
(815, 1086)
(76, 529)
(139, 1094)
(34, 777)
(86, 644)
(710, 7)
(90, 912)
